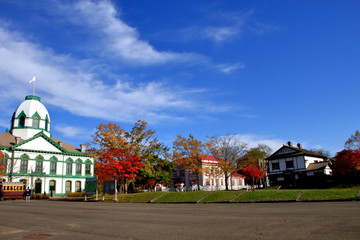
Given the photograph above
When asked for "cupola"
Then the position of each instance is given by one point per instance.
(30, 118)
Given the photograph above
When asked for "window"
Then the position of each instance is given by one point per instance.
(68, 186)
(22, 121)
(53, 165)
(35, 122)
(78, 167)
(275, 166)
(46, 124)
(39, 164)
(88, 167)
(69, 163)
(52, 185)
(77, 186)
(289, 164)
(24, 163)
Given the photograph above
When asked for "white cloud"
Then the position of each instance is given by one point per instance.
(73, 132)
(229, 68)
(117, 38)
(67, 83)
(254, 140)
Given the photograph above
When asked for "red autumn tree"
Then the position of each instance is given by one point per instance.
(118, 164)
(253, 173)
(347, 162)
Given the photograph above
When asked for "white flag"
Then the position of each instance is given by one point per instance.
(33, 79)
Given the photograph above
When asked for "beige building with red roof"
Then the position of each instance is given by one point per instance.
(211, 179)
(33, 156)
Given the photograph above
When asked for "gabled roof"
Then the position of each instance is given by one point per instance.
(317, 166)
(8, 141)
(289, 151)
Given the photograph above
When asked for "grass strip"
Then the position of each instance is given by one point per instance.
(327, 194)
(182, 196)
(220, 196)
(267, 195)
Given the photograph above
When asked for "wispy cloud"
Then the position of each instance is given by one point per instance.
(116, 38)
(68, 83)
(254, 140)
(229, 68)
(73, 132)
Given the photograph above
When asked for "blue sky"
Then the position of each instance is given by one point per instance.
(267, 71)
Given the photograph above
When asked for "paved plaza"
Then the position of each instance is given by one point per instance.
(57, 220)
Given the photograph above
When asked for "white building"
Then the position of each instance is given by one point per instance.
(211, 179)
(33, 156)
(295, 166)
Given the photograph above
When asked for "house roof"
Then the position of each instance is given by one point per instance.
(317, 166)
(290, 151)
(9, 140)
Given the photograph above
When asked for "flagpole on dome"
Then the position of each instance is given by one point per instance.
(34, 81)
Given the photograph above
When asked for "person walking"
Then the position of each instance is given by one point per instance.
(27, 195)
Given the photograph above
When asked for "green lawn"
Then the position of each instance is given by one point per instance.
(182, 196)
(240, 196)
(319, 194)
(220, 196)
(267, 195)
(134, 197)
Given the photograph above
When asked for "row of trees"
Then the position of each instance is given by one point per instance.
(137, 159)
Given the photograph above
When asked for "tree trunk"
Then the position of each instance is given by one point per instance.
(226, 182)
(198, 181)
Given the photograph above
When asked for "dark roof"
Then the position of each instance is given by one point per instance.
(296, 152)
(317, 166)
(7, 139)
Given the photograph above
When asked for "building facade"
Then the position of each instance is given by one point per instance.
(33, 156)
(211, 179)
(297, 167)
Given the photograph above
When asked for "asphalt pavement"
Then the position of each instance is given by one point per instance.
(55, 220)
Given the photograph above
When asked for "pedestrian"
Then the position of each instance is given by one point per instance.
(27, 195)
(2, 193)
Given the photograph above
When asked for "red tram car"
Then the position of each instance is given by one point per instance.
(12, 190)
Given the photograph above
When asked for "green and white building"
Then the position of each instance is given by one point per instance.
(33, 156)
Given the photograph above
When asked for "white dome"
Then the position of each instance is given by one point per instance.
(30, 118)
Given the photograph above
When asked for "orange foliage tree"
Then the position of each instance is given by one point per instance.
(187, 154)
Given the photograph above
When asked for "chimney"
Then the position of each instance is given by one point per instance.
(17, 140)
(83, 148)
(299, 145)
(289, 143)
(60, 143)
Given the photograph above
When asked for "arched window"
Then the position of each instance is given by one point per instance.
(52, 186)
(77, 186)
(68, 186)
(53, 165)
(39, 164)
(69, 163)
(78, 167)
(88, 167)
(22, 121)
(24, 163)
(46, 124)
(35, 122)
